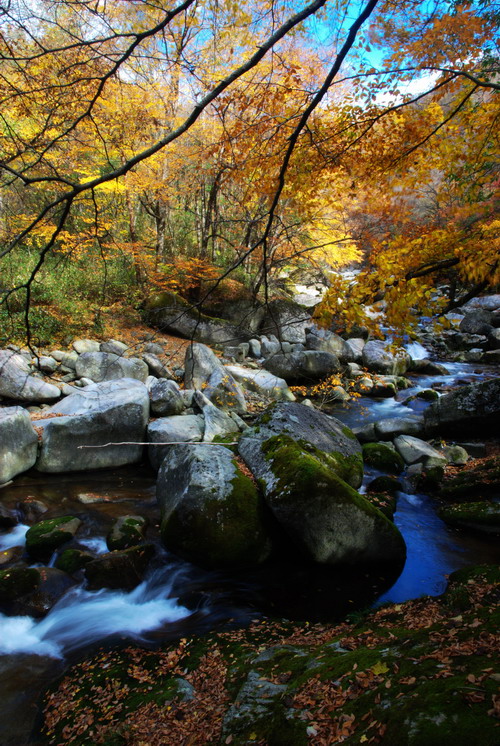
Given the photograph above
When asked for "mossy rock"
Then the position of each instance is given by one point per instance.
(212, 513)
(72, 560)
(119, 569)
(127, 531)
(382, 457)
(427, 395)
(323, 515)
(483, 516)
(385, 483)
(480, 481)
(45, 537)
(16, 582)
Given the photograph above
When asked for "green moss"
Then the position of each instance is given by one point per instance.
(303, 471)
(72, 560)
(481, 515)
(228, 531)
(348, 433)
(382, 457)
(482, 481)
(127, 532)
(428, 395)
(46, 536)
(385, 483)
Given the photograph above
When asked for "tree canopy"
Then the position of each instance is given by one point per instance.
(173, 146)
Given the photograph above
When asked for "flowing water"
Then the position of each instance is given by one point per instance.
(177, 598)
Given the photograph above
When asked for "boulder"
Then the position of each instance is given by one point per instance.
(7, 519)
(470, 409)
(326, 341)
(309, 426)
(185, 428)
(45, 537)
(355, 346)
(261, 382)
(287, 320)
(416, 451)
(308, 464)
(155, 366)
(127, 531)
(114, 346)
(494, 339)
(217, 424)
(166, 398)
(46, 364)
(107, 366)
(481, 516)
(120, 569)
(321, 515)
(111, 412)
(171, 314)
(211, 511)
(379, 359)
(86, 345)
(18, 442)
(381, 456)
(205, 372)
(309, 365)
(28, 591)
(16, 381)
(477, 321)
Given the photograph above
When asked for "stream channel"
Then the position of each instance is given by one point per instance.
(178, 599)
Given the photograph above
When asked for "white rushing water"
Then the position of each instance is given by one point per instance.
(14, 537)
(83, 617)
(417, 351)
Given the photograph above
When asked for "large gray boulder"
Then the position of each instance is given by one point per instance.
(287, 320)
(108, 366)
(217, 423)
(185, 428)
(476, 321)
(261, 382)
(205, 372)
(308, 465)
(379, 359)
(211, 512)
(18, 442)
(300, 367)
(111, 412)
(327, 341)
(470, 410)
(166, 398)
(416, 451)
(170, 313)
(16, 381)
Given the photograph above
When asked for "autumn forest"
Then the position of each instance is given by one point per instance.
(211, 146)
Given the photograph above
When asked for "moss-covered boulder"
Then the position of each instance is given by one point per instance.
(383, 457)
(72, 560)
(127, 531)
(212, 513)
(45, 537)
(483, 516)
(306, 425)
(321, 513)
(120, 569)
(308, 465)
(481, 480)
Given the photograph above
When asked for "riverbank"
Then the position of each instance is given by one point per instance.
(411, 674)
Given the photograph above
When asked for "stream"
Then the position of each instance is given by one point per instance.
(177, 598)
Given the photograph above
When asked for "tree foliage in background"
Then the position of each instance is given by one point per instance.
(146, 145)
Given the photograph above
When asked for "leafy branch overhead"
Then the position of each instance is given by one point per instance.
(174, 147)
